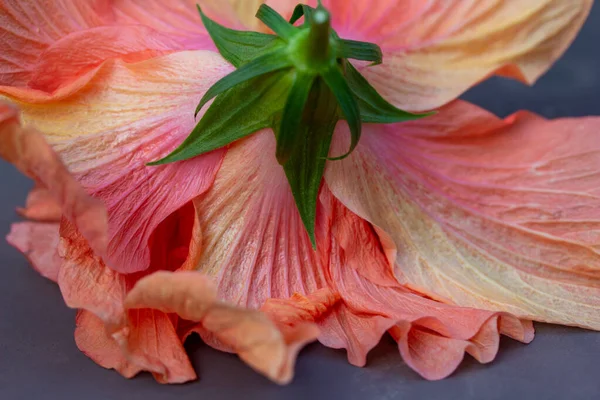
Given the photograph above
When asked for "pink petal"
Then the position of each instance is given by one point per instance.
(181, 20)
(257, 340)
(155, 100)
(129, 341)
(41, 206)
(39, 243)
(374, 302)
(30, 27)
(53, 49)
(28, 150)
(95, 342)
(435, 50)
(255, 247)
(498, 215)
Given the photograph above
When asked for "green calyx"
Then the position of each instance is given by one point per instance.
(300, 84)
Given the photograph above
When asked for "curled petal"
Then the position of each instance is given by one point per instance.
(147, 343)
(109, 155)
(29, 27)
(93, 339)
(188, 294)
(129, 341)
(256, 249)
(417, 344)
(73, 61)
(39, 243)
(300, 308)
(503, 217)
(375, 302)
(251, 334)
(435, 50)
(28, 150)
(41, 206)
(258, 341)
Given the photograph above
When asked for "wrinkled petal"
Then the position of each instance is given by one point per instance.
(251, 334)
(148, 342)
(29, 27)
(39, 243)
(129, 341)
(255, 247)
(41, 206)
(28, 150)
(72, 61)
(95, 342)
(375, 302)
(485, 213)
(127, 116)
(435, 50)
(181, 20)
(51, 49)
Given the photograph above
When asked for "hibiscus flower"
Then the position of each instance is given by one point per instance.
(446, 231)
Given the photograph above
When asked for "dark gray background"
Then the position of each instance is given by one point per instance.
(39, 359)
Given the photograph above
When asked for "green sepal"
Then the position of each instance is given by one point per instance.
(302, 10)
(362, 51)
(237, 113)
(334, 77)
(239, 47)
(374, 108)
(276, 22)
(262, 65)
(288, 133)
(305, 167)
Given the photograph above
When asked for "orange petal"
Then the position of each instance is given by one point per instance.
(39, 243)
(485, 213)
(94, 341)
(41, 206)
(255, 247)
(70, 63)
(30, 27)
(107, 332)
(53, 50)
(109, 155)
(147, 343)
(251, 334)
(374, 302)
(435, 50)
(150, 341)
(27, 149)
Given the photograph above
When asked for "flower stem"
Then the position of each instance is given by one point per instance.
(320, 31)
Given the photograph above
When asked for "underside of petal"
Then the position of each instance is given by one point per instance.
(500, 218)
(256, 250)
(39, 243)
(29, 27)
(28, 150)
(109, 154)
(249, 333)
(435, 50)
(129, 341)
(41, 205)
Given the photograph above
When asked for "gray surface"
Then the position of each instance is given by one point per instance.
(39, 360)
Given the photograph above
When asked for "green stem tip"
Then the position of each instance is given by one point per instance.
(320, 31)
